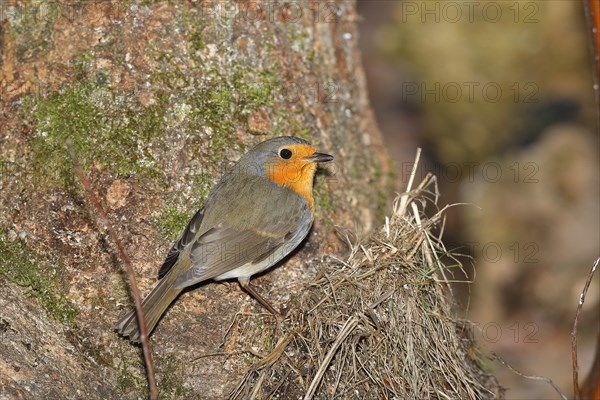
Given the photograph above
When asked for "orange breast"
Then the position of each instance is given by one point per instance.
(296, 173)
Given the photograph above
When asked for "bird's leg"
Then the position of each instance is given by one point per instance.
(245, 284)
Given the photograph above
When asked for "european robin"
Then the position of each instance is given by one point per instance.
(257, 214)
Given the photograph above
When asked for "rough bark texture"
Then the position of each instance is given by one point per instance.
(159, 100)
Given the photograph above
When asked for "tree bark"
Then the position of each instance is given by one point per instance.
(159, 100)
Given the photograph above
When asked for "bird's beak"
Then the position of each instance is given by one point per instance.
(319, 158)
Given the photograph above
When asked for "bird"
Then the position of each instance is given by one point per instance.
(256, 215)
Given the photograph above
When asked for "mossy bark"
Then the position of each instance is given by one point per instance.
(159, 100)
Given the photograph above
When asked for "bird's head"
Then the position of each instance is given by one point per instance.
(288, 161)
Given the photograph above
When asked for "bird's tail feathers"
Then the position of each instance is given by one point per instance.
(153, 305)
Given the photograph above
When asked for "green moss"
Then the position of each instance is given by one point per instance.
(18, 265)
(197, 40)
(171, 221)
(173, 218)
(128, 380)
(323, 199)
(257, 90)
(171, 378)
(303, 133)
(300, 42)
(82, 64)
(223, 104)
(105, 129)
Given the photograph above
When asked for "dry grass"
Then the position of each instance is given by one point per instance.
(377, 325)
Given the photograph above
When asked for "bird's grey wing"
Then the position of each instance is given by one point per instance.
(186, 238)
(225, 248)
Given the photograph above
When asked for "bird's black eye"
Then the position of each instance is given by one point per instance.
(285, 153)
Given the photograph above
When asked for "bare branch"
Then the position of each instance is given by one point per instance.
(532, 377)
(574, 331)
(85, 182)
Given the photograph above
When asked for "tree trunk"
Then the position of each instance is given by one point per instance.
(159, 100)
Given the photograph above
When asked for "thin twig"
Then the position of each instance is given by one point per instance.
(574, 331)
(85, 182)
(532, 377)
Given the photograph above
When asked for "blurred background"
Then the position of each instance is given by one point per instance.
(500, 97)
